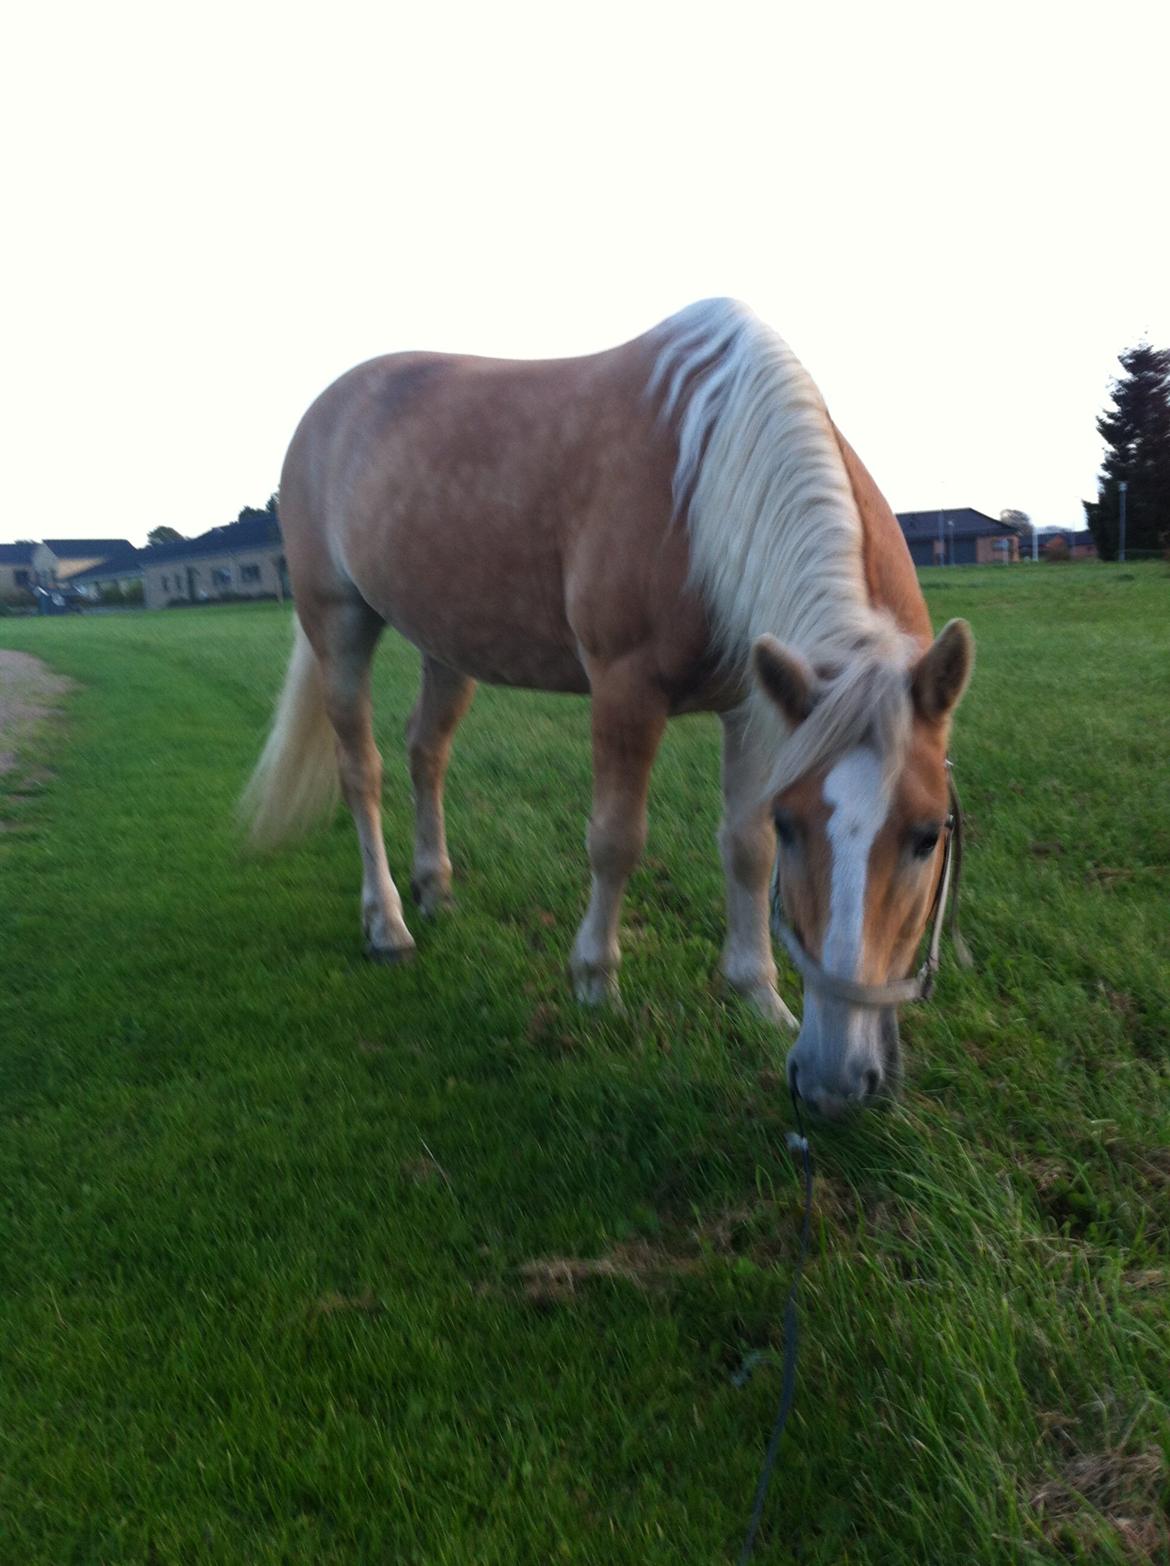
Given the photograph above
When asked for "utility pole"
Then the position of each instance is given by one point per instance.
(1122, 488)
(942, 548)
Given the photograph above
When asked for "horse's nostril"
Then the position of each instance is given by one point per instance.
(873, 1081)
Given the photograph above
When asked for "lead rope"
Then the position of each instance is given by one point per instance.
(798, 1142)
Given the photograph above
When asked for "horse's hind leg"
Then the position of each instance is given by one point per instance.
(344, 635)
(443, 699)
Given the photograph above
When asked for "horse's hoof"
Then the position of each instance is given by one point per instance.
(769, 1005)
(431, 900)
(765, 1002)
(597, 988)
(390, 956)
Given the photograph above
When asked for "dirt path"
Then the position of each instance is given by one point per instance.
(29, 693)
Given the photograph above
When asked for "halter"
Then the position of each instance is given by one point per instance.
(919, 986)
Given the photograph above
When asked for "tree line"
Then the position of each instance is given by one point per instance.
(171, 535)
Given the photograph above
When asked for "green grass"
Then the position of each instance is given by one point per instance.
(264, 1209)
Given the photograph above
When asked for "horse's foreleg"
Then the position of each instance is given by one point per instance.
(344, 637)
(443, 699)
(748, 848)
(629, 716)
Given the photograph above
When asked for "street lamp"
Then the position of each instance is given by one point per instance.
(1122, 488)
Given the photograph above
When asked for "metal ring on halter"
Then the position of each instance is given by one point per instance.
(899, 992)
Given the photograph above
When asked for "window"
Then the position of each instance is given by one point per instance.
(20, 578)
(250, 573)
(166, 585)
(221, 577)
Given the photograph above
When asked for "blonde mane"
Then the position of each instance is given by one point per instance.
(775, 533)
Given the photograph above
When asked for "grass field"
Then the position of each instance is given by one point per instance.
(309, 1261)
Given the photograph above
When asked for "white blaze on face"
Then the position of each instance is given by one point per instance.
(857, 794)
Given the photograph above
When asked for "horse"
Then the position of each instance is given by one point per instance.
(671, 526)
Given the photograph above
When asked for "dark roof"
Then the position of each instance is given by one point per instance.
(965, 522)
(251, 533)
(82, 548)
(16, 554)
(123, 562)
(1074, 535)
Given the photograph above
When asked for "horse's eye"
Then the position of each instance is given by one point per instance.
(785, 827)
(924, 840)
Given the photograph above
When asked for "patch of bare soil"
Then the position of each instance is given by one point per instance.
(554, 1279)
(30, 693)
(1121, 1487)
(763, 1233)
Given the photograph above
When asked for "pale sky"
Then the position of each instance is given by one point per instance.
(956, 215)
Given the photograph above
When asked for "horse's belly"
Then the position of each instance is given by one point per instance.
(495, 632)
(518, 661)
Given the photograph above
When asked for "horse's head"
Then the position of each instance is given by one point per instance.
(861, 820)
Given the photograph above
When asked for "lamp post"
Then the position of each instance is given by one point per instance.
(1122, 489)
(951, 534)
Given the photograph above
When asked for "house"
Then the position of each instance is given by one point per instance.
(961, 537)
(58, 560)
(122, 571)
(1080, 542)
(16, 570)
(244, 559)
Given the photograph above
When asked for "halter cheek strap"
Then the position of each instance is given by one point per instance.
(919, 986)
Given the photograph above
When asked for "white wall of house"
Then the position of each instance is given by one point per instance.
(15, 580)
(245, 573)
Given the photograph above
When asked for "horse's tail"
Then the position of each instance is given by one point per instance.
(295, 782)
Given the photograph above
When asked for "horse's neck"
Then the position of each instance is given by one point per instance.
(890, 578)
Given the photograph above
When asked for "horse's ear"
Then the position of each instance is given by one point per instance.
(786, 678)
(940, 676)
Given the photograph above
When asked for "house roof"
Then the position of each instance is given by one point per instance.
(250, 533)
(965, 522)
(16, 554)
(1074, 535)
(123, 562)
(85, 548)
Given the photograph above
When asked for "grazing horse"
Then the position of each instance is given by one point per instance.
(671, 526)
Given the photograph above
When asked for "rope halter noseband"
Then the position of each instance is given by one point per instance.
(899, 992)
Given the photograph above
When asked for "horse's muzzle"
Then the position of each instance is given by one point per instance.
(841, 1063)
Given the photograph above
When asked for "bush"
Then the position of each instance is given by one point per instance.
(223, 598)
(1057, 549)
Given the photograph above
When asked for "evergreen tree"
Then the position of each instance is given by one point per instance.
(1136, 432)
